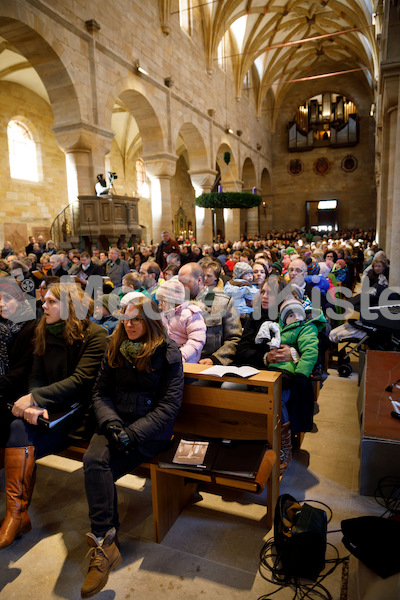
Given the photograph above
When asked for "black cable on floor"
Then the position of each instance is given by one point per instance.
(270, 561)
(387, 495)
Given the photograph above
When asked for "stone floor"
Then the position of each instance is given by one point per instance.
(212, 551)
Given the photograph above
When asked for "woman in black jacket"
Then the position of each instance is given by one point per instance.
(17, 328)
(68, 349)
(136, 399)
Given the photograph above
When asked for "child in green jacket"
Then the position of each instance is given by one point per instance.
(299, 330)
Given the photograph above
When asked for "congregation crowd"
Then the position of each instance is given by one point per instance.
(114, 362)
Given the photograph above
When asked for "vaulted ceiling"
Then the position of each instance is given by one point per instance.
(279, 41)
(267, 45)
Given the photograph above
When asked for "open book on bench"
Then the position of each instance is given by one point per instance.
(221, 370)
(235, 458)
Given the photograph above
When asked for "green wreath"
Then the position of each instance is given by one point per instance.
(228, 200)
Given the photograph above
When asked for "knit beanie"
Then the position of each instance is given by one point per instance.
(130, 296)
(9, 286)
(290, 250)
(312, 266)
(173, 291)
(222, 259)
(104, 299)
(286, 261)
(292, 305)
(240, 269)
(341, 263)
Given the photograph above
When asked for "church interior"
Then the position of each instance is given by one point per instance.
(302, 97)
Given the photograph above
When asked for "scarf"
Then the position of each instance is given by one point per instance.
(131, 350)
(8, 330)
(56, 329)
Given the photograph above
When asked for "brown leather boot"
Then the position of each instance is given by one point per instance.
(286, 447)
(104, 558)
(19, 467)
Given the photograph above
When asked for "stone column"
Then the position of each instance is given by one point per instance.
(85, 153)
(160, 168)
(232, 215)
(394, 249)
(253, 226)
(202, 182)
(392, 158)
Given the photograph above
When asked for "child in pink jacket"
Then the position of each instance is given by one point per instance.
(182, 320)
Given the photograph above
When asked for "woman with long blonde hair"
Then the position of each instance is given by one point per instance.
(68, 348)
(136, 399)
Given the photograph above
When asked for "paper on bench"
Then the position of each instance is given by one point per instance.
(221, 370)
(191, 452)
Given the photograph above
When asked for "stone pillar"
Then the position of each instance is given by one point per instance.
(85, 153)
(392, 157)
(160, 168)
(202, 182)
(394, 249)
(232, 215)
(253, 225)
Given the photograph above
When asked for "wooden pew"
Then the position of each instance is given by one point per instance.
(221, 413)
(217, 413)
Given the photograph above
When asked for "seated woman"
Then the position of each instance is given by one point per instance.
(67, 355)
(45, 262)
(136, 399)
(17, 328)
(297, 391)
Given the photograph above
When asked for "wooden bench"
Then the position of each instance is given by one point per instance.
(221, 413)
(218, 413)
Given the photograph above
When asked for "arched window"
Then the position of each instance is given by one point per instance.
(142, 182)
(185, 16)
(221, 53)
(22, 152)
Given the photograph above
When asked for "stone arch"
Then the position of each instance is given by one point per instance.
(195, 146)
(249, 222)
(228, 172)
(147, 120)
(48, 65)
(249, 177)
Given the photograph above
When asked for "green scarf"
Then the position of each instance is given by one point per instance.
(131, 350)
(56, 329)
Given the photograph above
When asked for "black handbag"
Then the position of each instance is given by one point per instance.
(300, 538)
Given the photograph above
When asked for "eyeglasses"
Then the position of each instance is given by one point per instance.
(134, 320)
(293, 270)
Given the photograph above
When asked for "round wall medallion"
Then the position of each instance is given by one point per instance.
(321, 166)
(295, 167)
(349, 163)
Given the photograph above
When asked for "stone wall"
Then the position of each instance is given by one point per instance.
(32, 204)
(87, 72)
(355, 191)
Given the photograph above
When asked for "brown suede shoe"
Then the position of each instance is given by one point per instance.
(104, 558)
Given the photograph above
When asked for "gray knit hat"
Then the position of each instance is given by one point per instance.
(240, 269)
(292, 305)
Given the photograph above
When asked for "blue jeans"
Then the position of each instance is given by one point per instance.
(16, 433)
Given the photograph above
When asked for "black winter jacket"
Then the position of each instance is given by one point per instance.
(66, 373)
(14, 383)
(247, 351)
(146, 403)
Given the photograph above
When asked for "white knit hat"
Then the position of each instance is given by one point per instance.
(130, 296)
